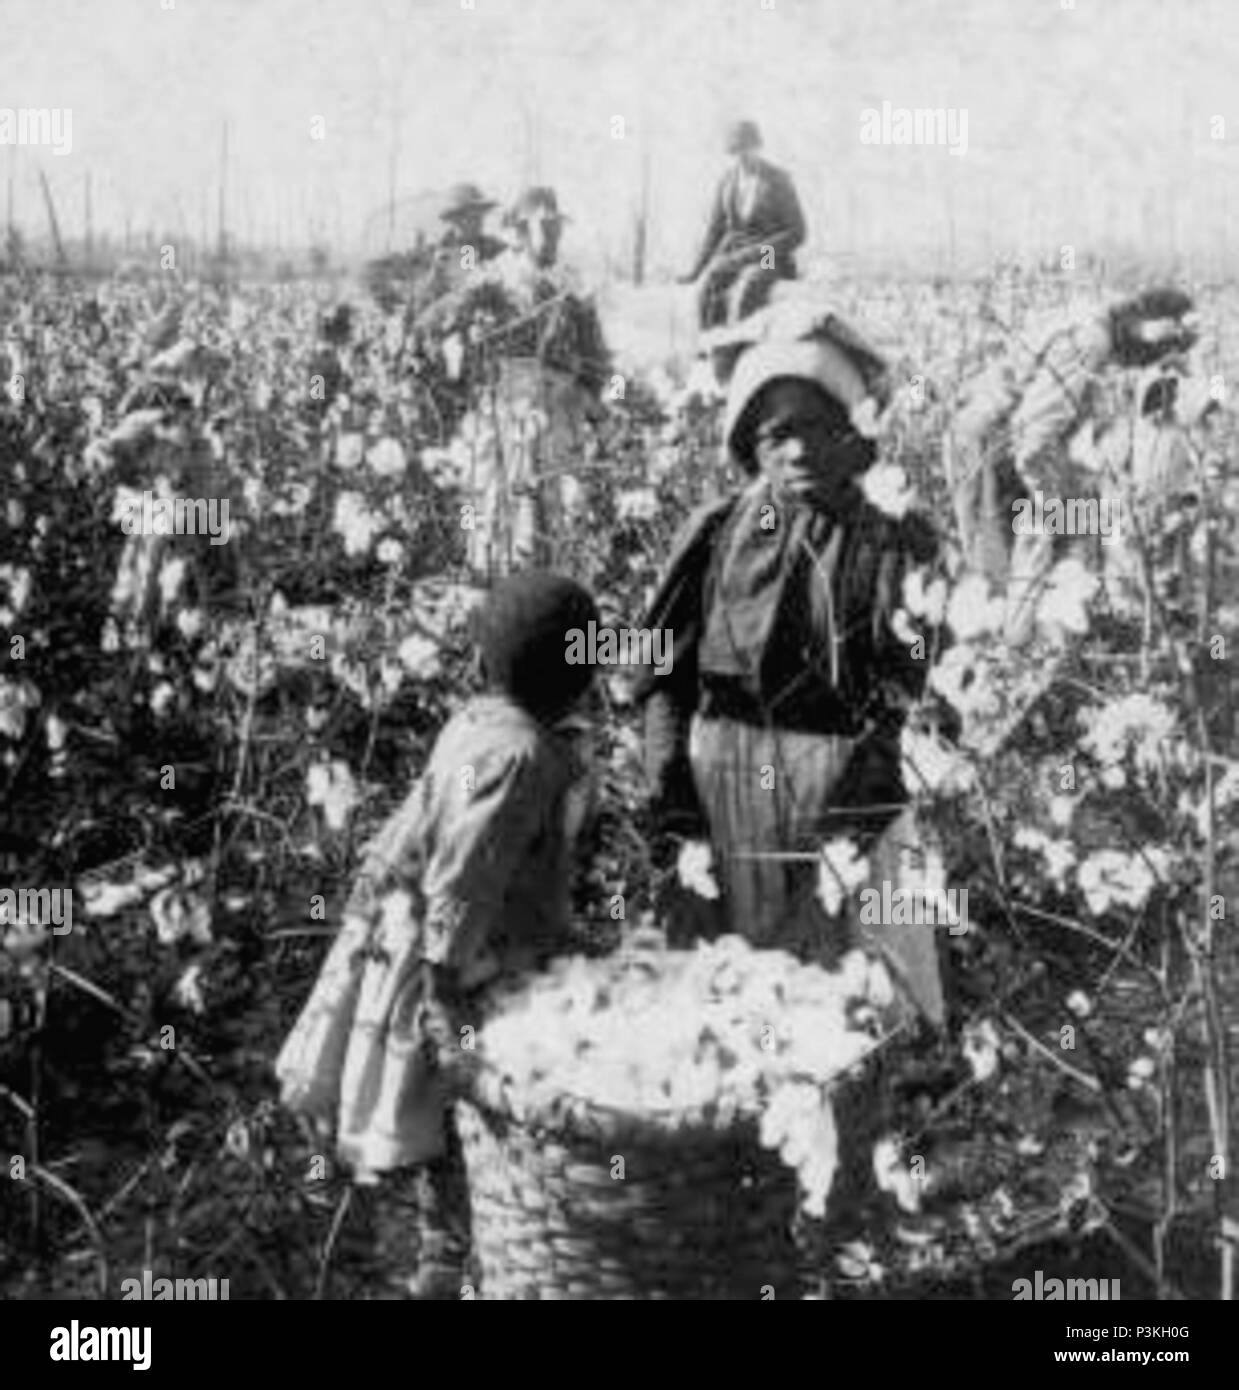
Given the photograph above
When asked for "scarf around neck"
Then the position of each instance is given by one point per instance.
(772, 596)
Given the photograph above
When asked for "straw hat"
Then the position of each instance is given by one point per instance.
(465, 198)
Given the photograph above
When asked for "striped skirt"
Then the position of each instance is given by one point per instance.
(771, 799)
(766, 794)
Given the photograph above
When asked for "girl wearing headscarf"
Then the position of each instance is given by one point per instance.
(466, 884)
(777, 728)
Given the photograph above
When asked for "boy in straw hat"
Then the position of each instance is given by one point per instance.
(777, 728)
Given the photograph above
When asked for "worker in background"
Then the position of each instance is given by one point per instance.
(755, 226)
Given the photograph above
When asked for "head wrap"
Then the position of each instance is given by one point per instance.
(811, 345)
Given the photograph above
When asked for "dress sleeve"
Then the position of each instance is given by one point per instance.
(392, 857)
(1051, 407)
(487, 836)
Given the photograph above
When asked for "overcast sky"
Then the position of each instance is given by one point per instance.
(1083, 122)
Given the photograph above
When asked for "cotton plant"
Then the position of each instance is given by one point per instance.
(931, 765)
(102, 900)
(350, 450)
(893, 1174)
(1063, 606)
(972, 611)
(189, 989)
(637, 504)
(1137, 722)
(695, 869)
(420, 656)
(386, 458)
(842, 870)
(331, 787)
(18, 698)
(965, 677)
(925, 596)
(1113, 878)
(982, 1048)
(16, 584)
(886, 487)
(181, 913)
(291, 499)
(356, 523)
(1057, 856)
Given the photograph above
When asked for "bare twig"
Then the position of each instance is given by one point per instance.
(1164, 1287)
(71, 1194)
(1073, 924)
(336, 1222)
(1082, 1077)
(118, 1196)
(88, 988)
(265, 1270)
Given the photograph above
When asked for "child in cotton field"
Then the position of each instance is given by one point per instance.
(467, 883)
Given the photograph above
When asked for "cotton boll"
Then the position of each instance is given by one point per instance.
(886, 487)
(694, 869)
(980, 1045)
(387, 458)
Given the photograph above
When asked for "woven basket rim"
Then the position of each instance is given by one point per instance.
(653, 1114)
(670, 1116)
(662, 1122)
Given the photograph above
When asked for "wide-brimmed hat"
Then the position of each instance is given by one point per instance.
(465, 197)
(530, 201)
(742, 135)
(819, 348)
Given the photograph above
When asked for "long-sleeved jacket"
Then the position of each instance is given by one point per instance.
(775, 213)
(791, 626)
(555, 321)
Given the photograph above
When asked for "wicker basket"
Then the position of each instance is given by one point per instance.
(698, 1213)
